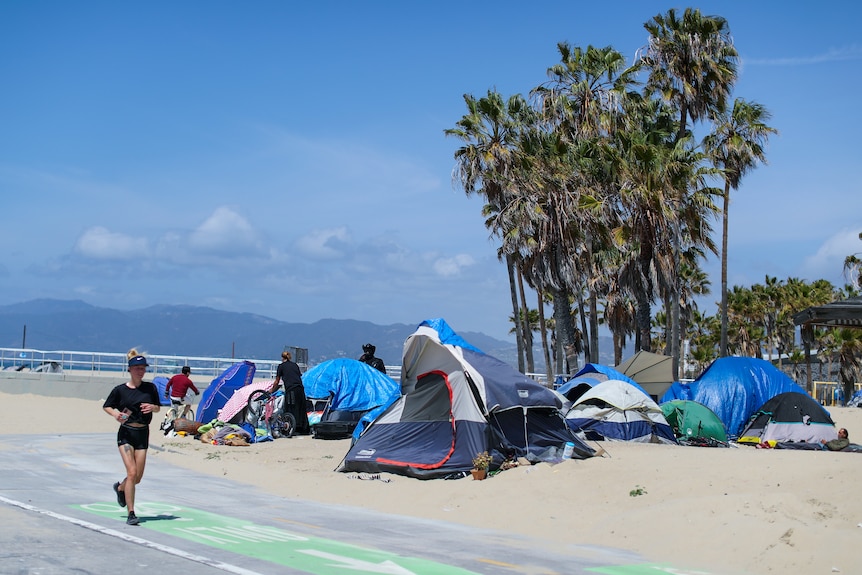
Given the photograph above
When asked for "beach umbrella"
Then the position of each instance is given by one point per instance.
(652, 371)
(239, 400)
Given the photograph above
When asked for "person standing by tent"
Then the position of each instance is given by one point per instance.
(288, 373)
(178, 386)
(368, 357)
(836, 444)
(132, 404)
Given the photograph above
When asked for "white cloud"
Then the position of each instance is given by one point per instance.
(828, 261)
(103, 244)
(326, 244)
(842, 54)
(453, 266)
(225, 233)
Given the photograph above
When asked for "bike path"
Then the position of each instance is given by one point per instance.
(236, 528)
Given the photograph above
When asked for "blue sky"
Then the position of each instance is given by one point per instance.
(288, 159)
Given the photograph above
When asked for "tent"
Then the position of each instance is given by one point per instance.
(615, 410)
(351, 389)
(735, 387)
(790, 416)
(221, 389)
(693, 423)
(161, 383)
(677, 390)
(652, 371)
(457, 402)
(579, 385)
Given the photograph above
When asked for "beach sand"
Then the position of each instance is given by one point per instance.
(724, 511)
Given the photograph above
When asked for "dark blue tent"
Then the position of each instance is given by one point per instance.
(679, 391)
(221, 389)
(734, 388)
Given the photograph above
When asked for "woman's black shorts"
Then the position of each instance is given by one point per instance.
(136, 437)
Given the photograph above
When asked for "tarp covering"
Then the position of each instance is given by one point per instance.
(457, 402)
(352, 384)
(735, 387)
(239, 400)
(790, 416)
(221, 389)
(693, 420)
(615, 410)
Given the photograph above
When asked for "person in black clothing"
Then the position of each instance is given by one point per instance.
(368, 357)
(132, 404)
(290, 376)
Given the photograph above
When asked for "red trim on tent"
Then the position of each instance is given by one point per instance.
(445, 377)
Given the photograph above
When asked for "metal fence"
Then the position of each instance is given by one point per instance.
(207, 368)
(26, 359)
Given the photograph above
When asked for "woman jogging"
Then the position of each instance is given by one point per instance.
(132, 404)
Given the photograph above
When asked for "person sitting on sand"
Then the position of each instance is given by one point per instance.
(836, 444)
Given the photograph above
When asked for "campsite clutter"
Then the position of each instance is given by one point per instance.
(458, 411)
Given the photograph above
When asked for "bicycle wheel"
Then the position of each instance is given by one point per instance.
(256, 406)
(283, 425)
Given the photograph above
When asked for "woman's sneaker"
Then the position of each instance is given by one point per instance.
(132, 519)
(121, 497)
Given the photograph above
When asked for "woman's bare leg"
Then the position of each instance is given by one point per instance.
(135, 460)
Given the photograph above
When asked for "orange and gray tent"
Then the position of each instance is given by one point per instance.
(457, 402)
(789, 416)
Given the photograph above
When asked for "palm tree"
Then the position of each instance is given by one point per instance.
(853, 268)
(735, 146)
(491, 131)
(692, 63)
(849, 345)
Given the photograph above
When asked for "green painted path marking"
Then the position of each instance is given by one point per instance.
(310, 554)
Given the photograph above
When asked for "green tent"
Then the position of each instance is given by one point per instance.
(693, 422)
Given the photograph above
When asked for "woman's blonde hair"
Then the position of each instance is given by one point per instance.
(285, 355)
(132, 353)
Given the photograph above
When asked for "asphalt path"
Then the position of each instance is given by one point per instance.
(58, 515)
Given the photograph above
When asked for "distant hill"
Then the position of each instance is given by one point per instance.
(74, 325)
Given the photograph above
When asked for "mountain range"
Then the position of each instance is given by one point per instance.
(74, 325)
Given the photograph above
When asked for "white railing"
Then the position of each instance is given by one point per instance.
(25, 359)
(96, 362)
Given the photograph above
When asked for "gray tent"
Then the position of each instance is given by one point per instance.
(652, 371)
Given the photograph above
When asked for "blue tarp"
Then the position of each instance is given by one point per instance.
(221, 389)
(677, 390)
(734, 388)
(353, 385)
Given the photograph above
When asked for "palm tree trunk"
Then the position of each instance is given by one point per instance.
(586, 337)
(510, 266)
(594, 327)
(722, 350)
(525, 325)
(549, 368)
(565, 330)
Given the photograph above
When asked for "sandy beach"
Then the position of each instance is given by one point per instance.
(723, 511)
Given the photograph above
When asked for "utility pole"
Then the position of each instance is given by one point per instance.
(24, 339)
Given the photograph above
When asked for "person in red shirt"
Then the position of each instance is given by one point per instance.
(177, 388)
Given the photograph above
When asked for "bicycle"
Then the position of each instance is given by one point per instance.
(176, 411)
(268, 407)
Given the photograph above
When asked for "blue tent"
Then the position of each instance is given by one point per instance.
(351, 386)
(221, 389)
(160, 383)
(734, 388)
(593, 374)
